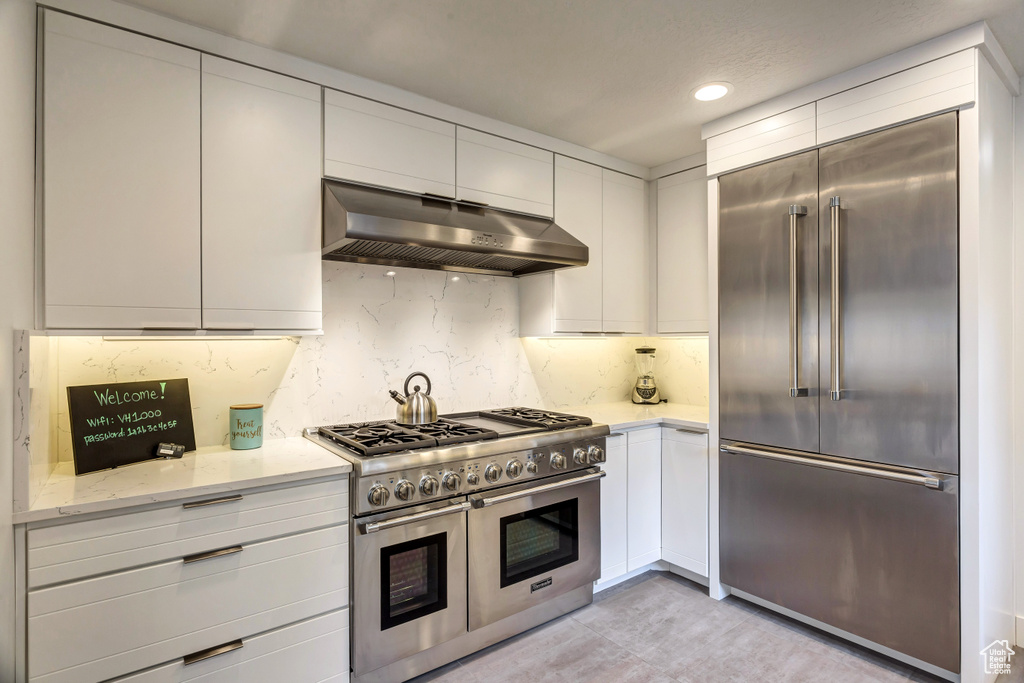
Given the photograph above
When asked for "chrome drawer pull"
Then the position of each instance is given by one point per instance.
(212, 652)
(211, 501)
(487, 502)
(692, 431)
(929, 481)
(199, 557)
(374, 527)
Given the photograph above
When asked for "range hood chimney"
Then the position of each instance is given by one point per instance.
(372, 225)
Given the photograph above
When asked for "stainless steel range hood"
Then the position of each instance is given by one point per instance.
(372, 225)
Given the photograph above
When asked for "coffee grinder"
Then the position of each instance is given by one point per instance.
(645, 390)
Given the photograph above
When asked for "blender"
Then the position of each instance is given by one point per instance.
(645, 390)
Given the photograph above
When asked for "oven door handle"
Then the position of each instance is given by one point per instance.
(373, 527)
(481, 502)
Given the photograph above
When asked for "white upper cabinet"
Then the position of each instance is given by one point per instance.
(261, 199)
(684, 499)
(683, 252)
(937, 85)
(770, 138)
(504, 174)
(625, 271)
(577, 291)
(377, 144)
(121, 179)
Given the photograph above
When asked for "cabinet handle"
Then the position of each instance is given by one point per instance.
(211, 501)
(836, 392)
(212, 652)
(827, 463)
(692, 431)
(199, 557)
(795, 390)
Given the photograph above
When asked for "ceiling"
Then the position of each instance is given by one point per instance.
(611, 75)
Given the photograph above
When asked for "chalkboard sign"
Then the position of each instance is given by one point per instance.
(118, 424)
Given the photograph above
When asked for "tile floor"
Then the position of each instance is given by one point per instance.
(659, 628)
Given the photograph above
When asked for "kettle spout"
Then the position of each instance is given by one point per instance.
(399, 399)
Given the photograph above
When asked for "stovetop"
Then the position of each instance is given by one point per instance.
(371, 439)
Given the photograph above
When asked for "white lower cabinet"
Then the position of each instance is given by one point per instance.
(684, 499)
(262, 589)
(314, 650)
(643, 525)
(614, 509)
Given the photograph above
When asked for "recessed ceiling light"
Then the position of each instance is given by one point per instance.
(712, 91)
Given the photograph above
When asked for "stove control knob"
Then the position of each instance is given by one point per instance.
(595, 454)
(579, 456)
(378, 495)
(451, 481)
(472, 479)
(558, 460)
(428, 485)
(514, 469)
(531, 467)
(404, 490)
(492, 473)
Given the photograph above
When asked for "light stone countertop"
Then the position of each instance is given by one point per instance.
(208, 471)
(627, 415)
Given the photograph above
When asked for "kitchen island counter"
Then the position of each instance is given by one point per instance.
(208, 470)
(627, 415)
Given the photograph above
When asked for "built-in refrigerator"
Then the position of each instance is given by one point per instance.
(838, 376)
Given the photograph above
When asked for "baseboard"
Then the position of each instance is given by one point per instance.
(657, 566)
(1019, 635)
(687, 574)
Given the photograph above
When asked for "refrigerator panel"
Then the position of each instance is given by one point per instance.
(874, 557)
(897, 314)
(755, 303)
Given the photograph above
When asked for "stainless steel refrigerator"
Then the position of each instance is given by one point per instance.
(838, 386)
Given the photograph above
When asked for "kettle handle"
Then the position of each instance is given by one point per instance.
(406, 387)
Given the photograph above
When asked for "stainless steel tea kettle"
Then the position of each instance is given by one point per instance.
(417, 408)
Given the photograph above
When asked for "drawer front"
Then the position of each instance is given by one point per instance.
(68, 552)
(312, 650)
(115, 624)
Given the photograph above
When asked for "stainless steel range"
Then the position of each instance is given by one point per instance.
(466, 531)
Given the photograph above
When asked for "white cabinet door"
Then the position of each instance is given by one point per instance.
(684, 499)
(625, 269)
(614, 496)
(683, 252)
(376, 144)
(577, 291)
(644, 497)
(261, 199)
(504, 174)
(121, 183)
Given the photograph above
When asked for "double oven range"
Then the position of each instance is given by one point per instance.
(466, 531)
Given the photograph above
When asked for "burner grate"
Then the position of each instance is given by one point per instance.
(450, 432)
(544, 418)
(377, 438)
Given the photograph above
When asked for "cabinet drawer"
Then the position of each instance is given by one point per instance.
(73, 551)
(119, 623)
(312, 650)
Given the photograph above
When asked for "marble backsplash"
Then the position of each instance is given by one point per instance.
(459, 329)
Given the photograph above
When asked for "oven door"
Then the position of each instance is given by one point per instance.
(409, 582)
(532, 542)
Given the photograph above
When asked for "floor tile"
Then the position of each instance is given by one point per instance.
(1016, 674)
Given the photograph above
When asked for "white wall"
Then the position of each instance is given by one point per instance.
(1018, 364)
(17, 130)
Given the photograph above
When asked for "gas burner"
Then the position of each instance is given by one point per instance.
(450, 432)
(544, 418)
(376, 438)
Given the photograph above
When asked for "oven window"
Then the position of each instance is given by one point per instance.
(539, 540)
(413, 579)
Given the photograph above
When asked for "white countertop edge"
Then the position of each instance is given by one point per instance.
(627, 415)
(311, 462)
(694, 425)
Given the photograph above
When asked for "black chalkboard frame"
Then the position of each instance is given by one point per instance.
(122, 423)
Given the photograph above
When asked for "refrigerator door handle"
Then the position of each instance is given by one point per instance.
(827, 463)
(795, 390)
(835, 314)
